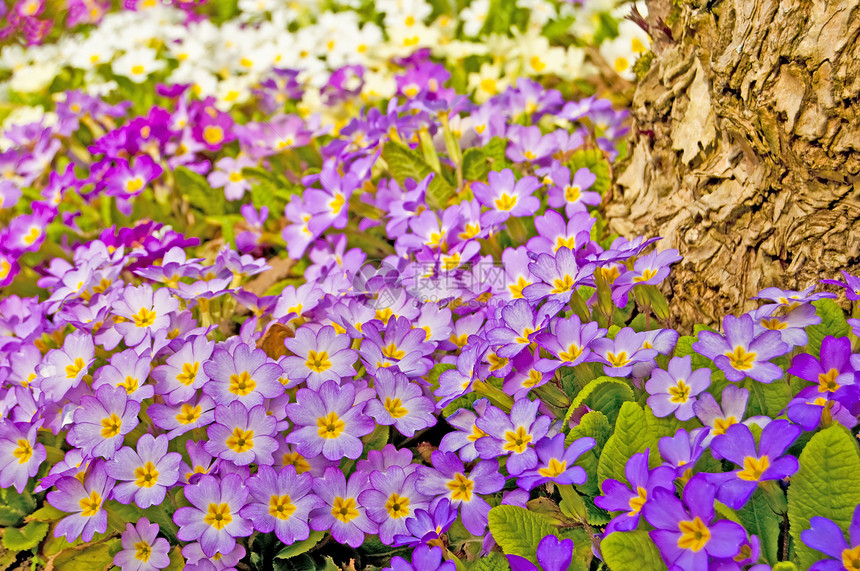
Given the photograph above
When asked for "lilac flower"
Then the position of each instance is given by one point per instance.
(554, 232)
(467, 432)
(649, 269)
(20, 454)
(426, 527)
(196, 560)
(762, 463)
(513, 435)
(242, 436)
(128, 370)
(144, 475)
(851, 285)
(397, 345)
(683, 450)
(457, 382)
(141, 551)
(519, 324)
(201, 462)
(572, 194)
(629, 497)
(528, 144)
(382, 460)
(281, 501)
(401, 403)
(740, 354)
(63, 369)
(685, 532)
(84, 500)
(319, 356)
(556, 462)
(144, 312)
(243, 374)
(517, 273)
(424, 558)
(103, 421)
(449, 479)
(569, 342)
(328, 422)
(561, 275)
(228, 175)
(392, 498)
(809, 407)
(552, 555)
(719, 417)
(341, 512)
(506, 196)
(182, 374)
(790, 299)
(179, 419)
(827, 537)
(675, 391)
(621, 353)
(214, 519)
(791, 326)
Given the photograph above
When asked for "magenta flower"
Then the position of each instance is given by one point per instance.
(449, 479)
(179, 379)
(144, 475)
(341, 512)
(392, 499)
(556, 462)
(831, 371)
(514, 436)
(518, 327)
(328, 422)
(84, 500)
(506, 197)
(243, 374)
(457, 382)
(401, 403)
(281, 501)
(740, 354)
(425, 526)
(214, 519)
(242, 436)
(142, 550)
(103, 421)
(759, 463)
(319, 356)
(675, 390)
(685, 532)
(20, 454)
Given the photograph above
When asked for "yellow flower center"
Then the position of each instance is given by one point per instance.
(523, 339)
(537, 63)
(24, 451)
(189, 414)
(496, 362)
(235, 176)
(147, 475)
(517, 288)
(740, 359)
(621, 64)
(851, 558)
(754, 468)
(618, 360)
(75, 368)
(529, 155)
(827, 381)
(694, 535)
(318, 362)
(395, 407)
(144, 318)
(571, 193)
(330, 426)
(111, 426)
(533, 378)
(392, 352)
(461, 488)
(572, 354)
(241, 440)
(517, 441)
(32, 236)
(91, 505)
(142, 551)
(773, 323)
(397, 506)
(554, 469)
(337, 204)
(297, 460)
(133, 184)
(384, 315)
(218, 516)
(476, 433)
(680, 392)
(281, 507)
(137, 69)
(637, 501)
(242, 384)
(562, 242)
(506, 202)
(646, 275)
(562, 285)
(189, 372)
(344, 509)
(213, 134)
(459, 340)
(130, 384)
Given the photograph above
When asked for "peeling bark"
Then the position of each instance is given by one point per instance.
(746, 149)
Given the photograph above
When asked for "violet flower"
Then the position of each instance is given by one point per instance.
(740, 353)
(828, 538)
(341, 513)
(214, 518)
(552, 554)
(146, 473)
(103, 421)
(674, 391)
(84, 500)
(556, 462)
(281, 501)
(141, 551)
(514, 435)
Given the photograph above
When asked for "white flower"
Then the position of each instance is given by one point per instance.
(137, 64)
(474, 15)
(622, 52)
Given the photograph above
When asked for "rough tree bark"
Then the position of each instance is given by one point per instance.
(745, 148)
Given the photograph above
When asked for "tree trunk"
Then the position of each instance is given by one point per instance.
(745, 148)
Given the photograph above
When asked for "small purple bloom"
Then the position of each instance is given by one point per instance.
(506, 197)
(552, 555)
(144, 475)
(392, 498)
(740, 353)
(675, 390)
(85, 501)
(243, 374)
(513, 435)
(620, 354)
(142, 550)
(341, 512)
(103, 421)
(825, 536)
(556, 462)
(424, 558)
(400, 402)
(214, 519)
(320, 356)
(281, 501)
(20, 454)
(242, 436)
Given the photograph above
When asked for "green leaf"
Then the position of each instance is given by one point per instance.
(662, 426)
(177, 561)
(767, 399)
(475, 165)
(405, 163)
(494, 561)
(495, 150)
(631, 551)
(826, 485)
(595, 161)
(631, 435)
(200, 195)
(377, 439)
(46, 513)
(436, 371)
(300, 547)
(464, 401)
(605, 394)
(95, 557)
(518, 531)
(832, 323)
(24, 538)
(595, 425)
(757, 518)
(14, 506)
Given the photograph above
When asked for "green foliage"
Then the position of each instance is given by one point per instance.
(759, 519)
(300, 547)
(518, 531)
(826, 485)
(595, 161)
(631, 551)
(631, 435)
(475, 165)
(595, 425)
(494, 561)
(24, 538)
(605, 394)
(199, 194)
(832, 323)
(14, 506)
(405, 163)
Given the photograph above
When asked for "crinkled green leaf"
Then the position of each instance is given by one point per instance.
(405, 163)
(832, 323)
(767, 399)
(24, 538)
(493, 561)
(14, 506)
(631, 551)
(595, 161)
(96, 557)
(595, 425)
(518, 531)
(826, 485)
(757, 518)
(632, 434)
(604, 394)
(200, 195)
(475, 166)
(300, 547)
